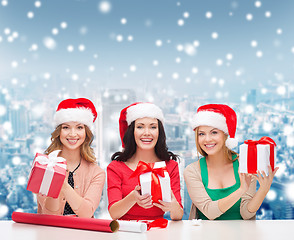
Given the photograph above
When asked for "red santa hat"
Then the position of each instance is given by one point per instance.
(219, 116)
(136, 111)
(80, 110)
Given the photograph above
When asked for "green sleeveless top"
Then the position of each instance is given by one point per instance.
(215, 194)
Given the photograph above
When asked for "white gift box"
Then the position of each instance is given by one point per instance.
(145, 182)
(262, 158)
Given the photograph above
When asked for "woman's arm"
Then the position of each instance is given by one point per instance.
(226, 203)
(82, 206)
(252, 200)
(85, 206)
(265, 184)
(120, 208)
(246, 198)
(48, 205)
(198, 194)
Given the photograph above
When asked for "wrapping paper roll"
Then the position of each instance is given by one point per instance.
(129, 226)
(93, 224)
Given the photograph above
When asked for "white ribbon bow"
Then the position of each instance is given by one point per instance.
(51, 161)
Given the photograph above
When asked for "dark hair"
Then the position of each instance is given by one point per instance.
(161, 149)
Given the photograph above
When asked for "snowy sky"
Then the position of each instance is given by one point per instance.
(216, 48)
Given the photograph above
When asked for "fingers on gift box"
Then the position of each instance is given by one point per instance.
(47, 174)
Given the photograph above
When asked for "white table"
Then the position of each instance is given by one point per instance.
(219, 230)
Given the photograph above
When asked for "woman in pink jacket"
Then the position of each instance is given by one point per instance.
(81, 191)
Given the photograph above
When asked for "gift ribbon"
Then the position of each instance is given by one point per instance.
(52, 161)
(155, 183)
(159, 223)
(252, 153)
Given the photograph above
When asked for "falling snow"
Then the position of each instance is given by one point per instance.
(104, 7)
(123, 21)
(181, 22)
(239, 54)
(30, 15)
(63, 25)
(49, 43)
(208, 15)
(214, 35)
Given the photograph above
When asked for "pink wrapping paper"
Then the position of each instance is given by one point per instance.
(93, 224)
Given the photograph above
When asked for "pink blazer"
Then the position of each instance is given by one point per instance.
(89, 180)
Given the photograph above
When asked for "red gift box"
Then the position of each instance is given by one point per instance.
(47, 174)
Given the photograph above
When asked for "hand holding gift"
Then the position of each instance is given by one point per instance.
(265, 181)
(47, 174)
(245, 180)
(144, 201)
(168, 206)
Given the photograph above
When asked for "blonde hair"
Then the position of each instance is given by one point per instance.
(227, 152)
(87, 152)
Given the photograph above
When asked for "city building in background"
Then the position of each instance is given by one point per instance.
(24, 133)
(177, 54)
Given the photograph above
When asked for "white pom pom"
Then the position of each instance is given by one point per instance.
(231, 143)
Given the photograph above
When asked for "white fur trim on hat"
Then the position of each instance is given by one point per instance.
(231, 143)
(209, 118)
(142, 110)
(81, 115)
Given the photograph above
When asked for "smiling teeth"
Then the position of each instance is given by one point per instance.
(72, 141)
(146, 140)
(212, 145)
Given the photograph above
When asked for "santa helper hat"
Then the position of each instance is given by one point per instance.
(135, 111)
(80, 110)
(219, 116)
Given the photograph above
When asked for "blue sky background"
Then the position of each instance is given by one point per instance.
(107, 62)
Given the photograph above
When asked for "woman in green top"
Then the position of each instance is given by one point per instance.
(216, 188)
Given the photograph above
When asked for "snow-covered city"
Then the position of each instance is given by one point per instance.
(177, 54)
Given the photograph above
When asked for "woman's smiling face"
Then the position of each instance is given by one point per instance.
(72, 135)
(146, 133)
(210, 139)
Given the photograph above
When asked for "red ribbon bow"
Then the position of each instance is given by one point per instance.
(252, 153)
(155, 183)
(160, 223)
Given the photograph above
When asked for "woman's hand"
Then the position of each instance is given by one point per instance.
(245, 180)
(144, 201)
(65, 186)
(167, 206)
(176, 211)
(265, 182)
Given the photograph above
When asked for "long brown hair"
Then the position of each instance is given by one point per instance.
(87, 152)
(227, 152)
